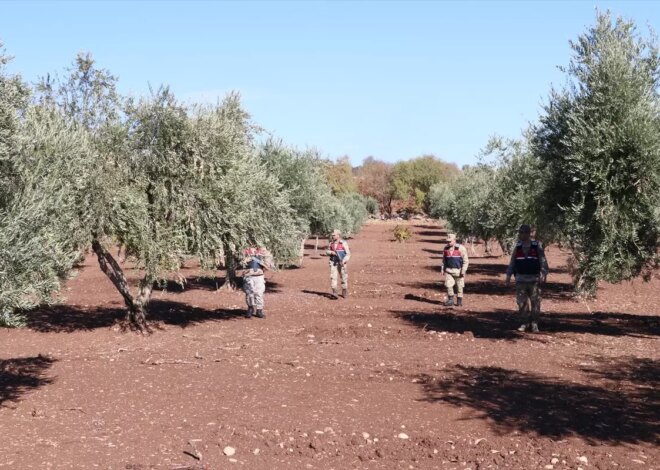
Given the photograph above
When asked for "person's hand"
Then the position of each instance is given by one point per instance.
(461, 275)
(543, 278)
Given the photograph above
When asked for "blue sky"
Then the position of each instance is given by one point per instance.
(390, 79)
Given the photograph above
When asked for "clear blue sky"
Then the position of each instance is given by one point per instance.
(390, 79)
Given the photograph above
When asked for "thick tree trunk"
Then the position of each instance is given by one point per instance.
(301, 254)
(136, 306)
(231, 280)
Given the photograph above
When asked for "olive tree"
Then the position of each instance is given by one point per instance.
(599, 139)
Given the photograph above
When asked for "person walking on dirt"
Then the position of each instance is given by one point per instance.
(339, 254)
(254, 282)
(455, 263)
(530, 267)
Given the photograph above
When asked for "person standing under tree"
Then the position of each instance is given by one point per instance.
(254, 281)
(529, 266)
(455, 263)
(339, 254)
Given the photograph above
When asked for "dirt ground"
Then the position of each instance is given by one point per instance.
(388, 379)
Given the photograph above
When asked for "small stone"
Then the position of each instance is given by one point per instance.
(256, 451)
(554, 461)
(402, 435)
(233, 460)
(365, 435)
(549, 467)
(229, 451)
(583, 459)
(369, 325)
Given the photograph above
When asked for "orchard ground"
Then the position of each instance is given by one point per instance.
(387, 379)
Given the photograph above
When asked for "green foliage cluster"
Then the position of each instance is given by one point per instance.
(83, 167)
(412, 180)
(588, 173)
(401, 233)
(599, 140)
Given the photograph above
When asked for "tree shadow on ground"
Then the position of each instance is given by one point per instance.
(419, 298)
(327, 295)
(436, 241)
(19, 376)
(67, 319)
(433, 233)
(502, 324)
(431, 227)
(491, 326)
(433, 252)
(206, 283)
(495, 270)
(526, 402)
(549, 290)
(627, 370)
(437, 285)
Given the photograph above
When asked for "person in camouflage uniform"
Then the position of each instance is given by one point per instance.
(339, 254)
(454, 265)
(254, 282)
(530, 267)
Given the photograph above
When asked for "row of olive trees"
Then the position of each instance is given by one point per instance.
(587, 174)
(83, 167)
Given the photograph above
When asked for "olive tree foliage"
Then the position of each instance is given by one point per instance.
(41, 237)
(34, 258)
(516, 193)
(13, 99)
(355, 206)
(120, 198)
(599, 139)
(301, 174)
(240, 202)
(468, 213)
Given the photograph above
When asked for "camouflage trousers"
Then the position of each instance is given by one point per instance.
(528, 298)
(254, 287)
(337, 271)
(452, 280)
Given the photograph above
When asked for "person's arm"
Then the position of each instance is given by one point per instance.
(466, 260)
(329, 251)
(348, 251)
(512, 263)
(544, 263)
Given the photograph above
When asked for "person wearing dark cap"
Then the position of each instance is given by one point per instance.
(530, 267)
(256, 261)
(454, 265)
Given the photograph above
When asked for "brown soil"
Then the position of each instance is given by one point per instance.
(324, 383)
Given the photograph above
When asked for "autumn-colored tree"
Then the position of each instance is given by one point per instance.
(374, 179)
(340, 176)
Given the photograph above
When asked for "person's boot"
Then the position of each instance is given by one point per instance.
(260, 313)
(248, 312)
(344, 293)
(535, 327)
(459, 301)
(334, 294)
(450, 301)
